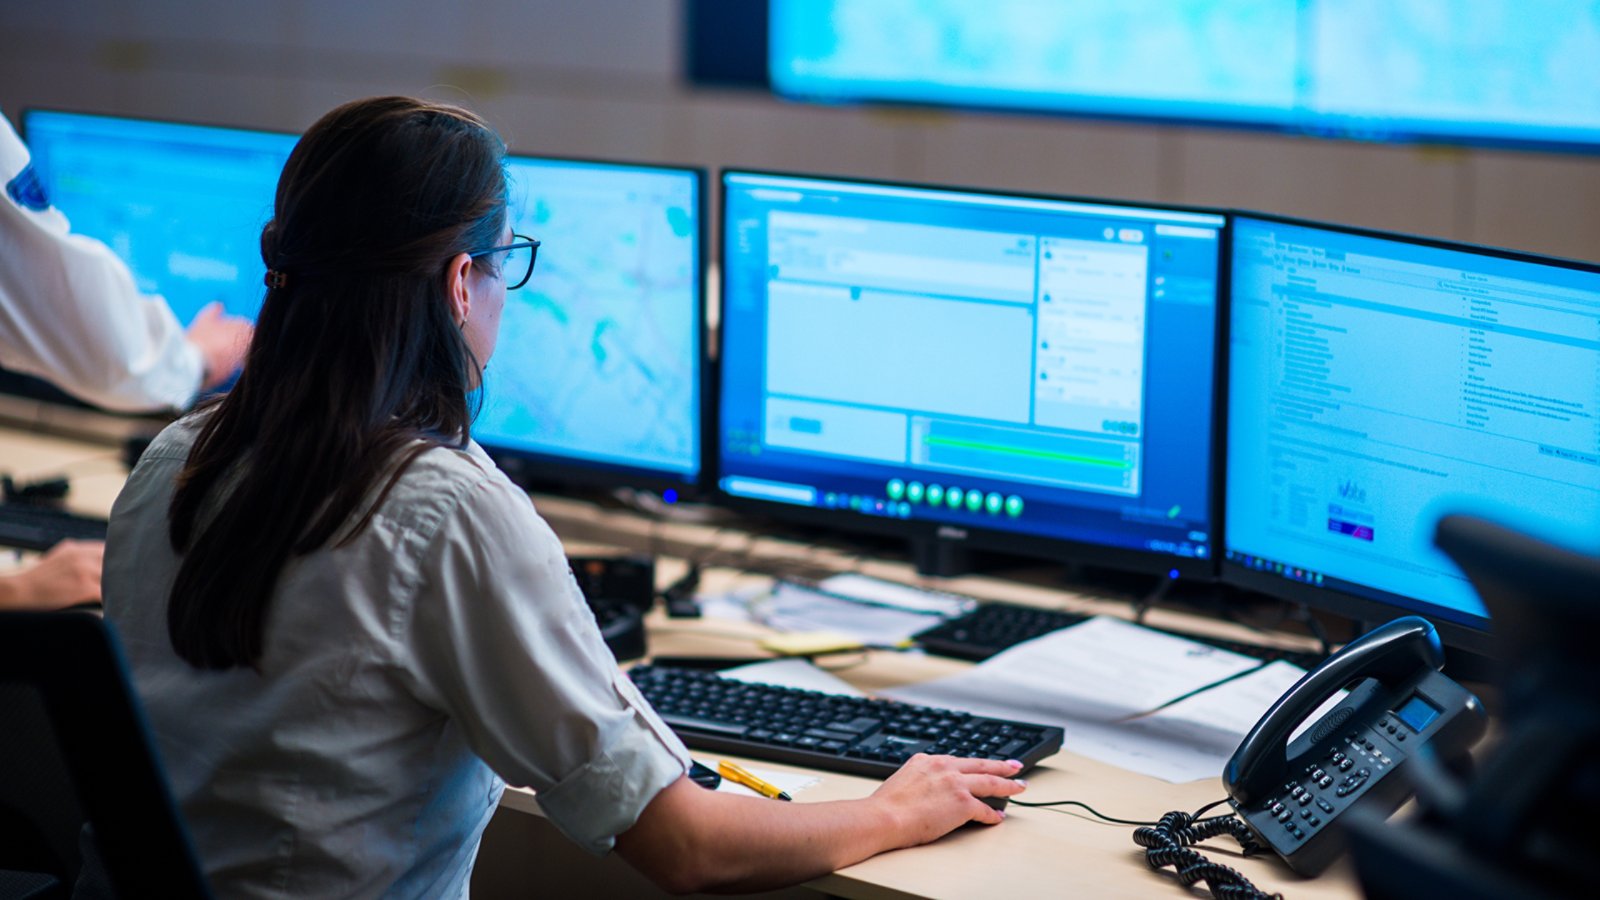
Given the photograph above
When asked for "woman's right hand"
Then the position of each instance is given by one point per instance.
(933, 795)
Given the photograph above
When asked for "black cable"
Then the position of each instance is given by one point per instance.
(1112, 819)
(1166, 844)
(1091, 810)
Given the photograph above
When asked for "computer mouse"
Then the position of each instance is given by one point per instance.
(996, 803)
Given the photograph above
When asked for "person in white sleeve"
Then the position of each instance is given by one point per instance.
(71, 314)
(349, 629)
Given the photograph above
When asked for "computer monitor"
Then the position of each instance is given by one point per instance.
(182, 204)
(1377, 383)
(597, 376)
(1025, 373)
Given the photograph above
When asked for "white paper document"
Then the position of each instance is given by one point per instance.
(792, 608)
(1102, 670)
(1193, 738)
(1106, 682)
(794, 673)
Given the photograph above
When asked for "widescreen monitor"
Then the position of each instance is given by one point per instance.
(597, 376)
(1377, 383)
(1494, 72)
(1019, 372)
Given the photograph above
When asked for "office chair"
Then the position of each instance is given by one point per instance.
(77, 764)
(1525, 825)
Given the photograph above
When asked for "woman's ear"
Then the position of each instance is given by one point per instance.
(456, 287)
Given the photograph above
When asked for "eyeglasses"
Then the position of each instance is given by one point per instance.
(520, 256)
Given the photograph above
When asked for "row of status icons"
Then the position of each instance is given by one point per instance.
(1277, 568)
(974, 500)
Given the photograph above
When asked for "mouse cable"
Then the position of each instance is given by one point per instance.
(1113, 820)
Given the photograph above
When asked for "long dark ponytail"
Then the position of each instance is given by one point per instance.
(356, 358)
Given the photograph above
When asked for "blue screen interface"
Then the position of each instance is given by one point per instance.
(1378, 384)
(182, 205)
(1508, 72)
(1035, 366)
(598, 361)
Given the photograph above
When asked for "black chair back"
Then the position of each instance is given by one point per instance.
(75, 750)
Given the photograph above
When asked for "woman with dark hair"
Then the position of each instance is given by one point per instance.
(347, 626)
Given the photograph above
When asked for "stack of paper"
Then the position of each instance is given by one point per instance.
(1126, 695)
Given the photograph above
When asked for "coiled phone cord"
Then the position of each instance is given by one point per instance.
(1166, 844)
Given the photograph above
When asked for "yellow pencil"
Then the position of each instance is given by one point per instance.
(738, 775)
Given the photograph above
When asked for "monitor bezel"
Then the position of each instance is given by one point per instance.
(1064, 550)
(538, 471)
(1363, 603)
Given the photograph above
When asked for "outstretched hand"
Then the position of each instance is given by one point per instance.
(67, 574)
(222, 341)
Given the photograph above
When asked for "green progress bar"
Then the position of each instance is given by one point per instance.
(1024, 451)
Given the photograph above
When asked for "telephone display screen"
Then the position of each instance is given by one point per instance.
(1417, 713)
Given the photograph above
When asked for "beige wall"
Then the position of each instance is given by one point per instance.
(599, 78)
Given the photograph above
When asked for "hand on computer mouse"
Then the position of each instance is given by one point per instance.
(933, 795)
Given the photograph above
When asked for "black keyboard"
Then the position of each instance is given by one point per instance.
(41, 527)
(995, 626)
(854, 735)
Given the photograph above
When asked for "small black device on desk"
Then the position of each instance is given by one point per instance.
(995, 626)
(836, 733)
(33, 527)
(620, 590)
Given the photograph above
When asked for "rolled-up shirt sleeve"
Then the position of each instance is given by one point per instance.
(505, 644)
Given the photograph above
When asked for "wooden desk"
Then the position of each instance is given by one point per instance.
(1035, 853)
(94, 469)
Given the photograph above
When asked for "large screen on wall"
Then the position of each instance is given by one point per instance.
(1472, 71)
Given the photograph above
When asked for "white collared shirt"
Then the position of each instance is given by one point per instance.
(70, 312)
(403, 676)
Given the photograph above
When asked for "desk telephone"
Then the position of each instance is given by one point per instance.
(1291, 792)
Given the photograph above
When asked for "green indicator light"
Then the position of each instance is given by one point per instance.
(1173, 512)
(974, 500)
(1013, 506)
(993, 502)
(953, 498)
(935, 495)
(1027, 451)
(897, 489)
(914, 492)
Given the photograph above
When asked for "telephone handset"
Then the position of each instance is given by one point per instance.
(1290, 792)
